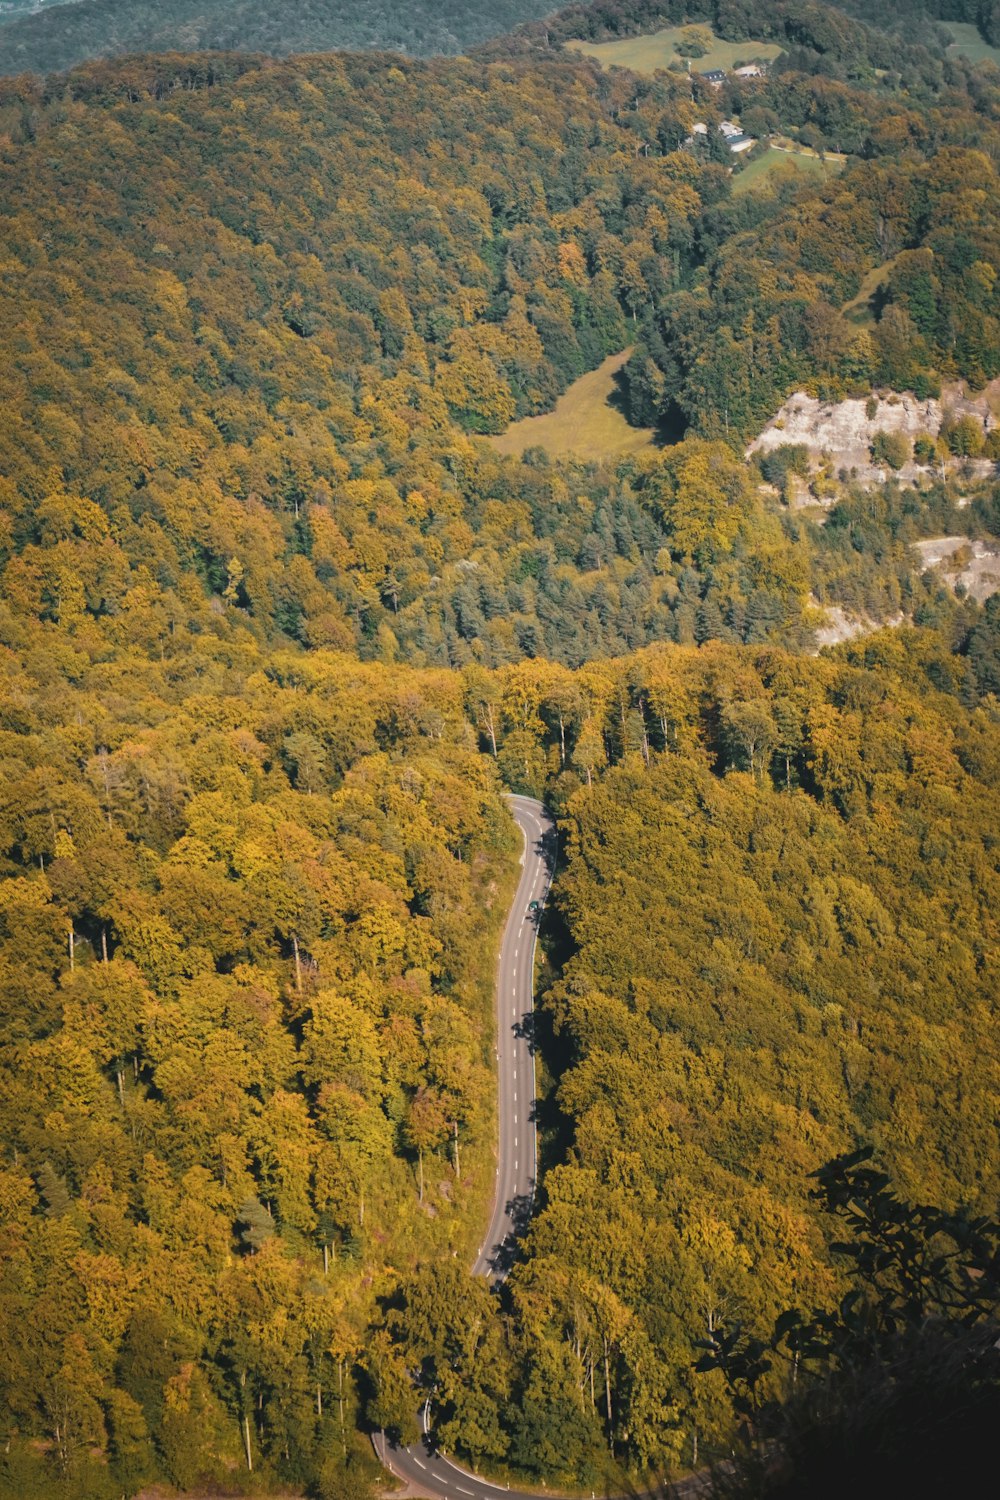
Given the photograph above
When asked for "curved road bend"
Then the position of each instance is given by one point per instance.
(426, 1472)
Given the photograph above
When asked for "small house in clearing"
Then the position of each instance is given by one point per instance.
(731, 133)
(715, 76)
(736, 140)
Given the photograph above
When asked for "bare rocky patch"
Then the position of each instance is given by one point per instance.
(839, 436)
(973, 565)
(840, 625)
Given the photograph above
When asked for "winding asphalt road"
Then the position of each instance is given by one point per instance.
(425, 1471)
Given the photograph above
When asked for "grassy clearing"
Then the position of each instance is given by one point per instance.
(756, 173)
(968, 43)
(583, 423)
(859, 309)
(646, 54)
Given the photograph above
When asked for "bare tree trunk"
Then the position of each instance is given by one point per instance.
(319, 1399)
(72, 949)
(562, 741)
(340, 1398)
(458, 1163)
(104, 945)
(490, 726)
(246, 1425)
(326, 1259)
(420, 1165)
(607, 1384)
(298, 965)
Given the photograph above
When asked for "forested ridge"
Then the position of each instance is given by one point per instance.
(278, 627)
(61, 36)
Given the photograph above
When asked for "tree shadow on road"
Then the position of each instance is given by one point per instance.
(525, 1029)
(505, 1254)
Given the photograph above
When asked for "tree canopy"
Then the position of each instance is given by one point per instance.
(278, 626)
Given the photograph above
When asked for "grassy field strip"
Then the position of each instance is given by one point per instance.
(583, 424)
(646, 54)
(968, 43)
(775, 158)
(859, 309)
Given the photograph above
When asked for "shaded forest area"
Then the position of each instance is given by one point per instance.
(62, 36)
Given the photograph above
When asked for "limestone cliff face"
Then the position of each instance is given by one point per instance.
(840, 434)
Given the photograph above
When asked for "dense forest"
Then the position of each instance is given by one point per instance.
(763, 316)
(247, 1102)
(278, 627)
(814, 37)
(265, 391)
(768, 964)
(245, 1035)
(62, 35)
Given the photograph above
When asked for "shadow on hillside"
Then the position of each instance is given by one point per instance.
(668, 431)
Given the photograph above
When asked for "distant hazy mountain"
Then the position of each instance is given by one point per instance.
(62, 35)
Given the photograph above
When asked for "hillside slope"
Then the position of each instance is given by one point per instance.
(63, 35)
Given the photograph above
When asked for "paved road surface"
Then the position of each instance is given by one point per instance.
(424, 1471)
